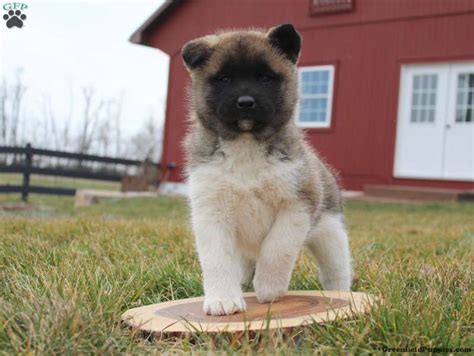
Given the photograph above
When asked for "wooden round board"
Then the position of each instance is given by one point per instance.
(294, 309)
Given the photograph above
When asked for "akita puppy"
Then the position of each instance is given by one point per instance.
(258, 192)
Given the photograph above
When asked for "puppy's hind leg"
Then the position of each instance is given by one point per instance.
(329, 244)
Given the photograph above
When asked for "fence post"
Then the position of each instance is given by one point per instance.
(26, 173)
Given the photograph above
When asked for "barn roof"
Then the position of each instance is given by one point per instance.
(139, 36)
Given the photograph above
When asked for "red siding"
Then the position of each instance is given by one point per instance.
(367, 46)
(175, 121)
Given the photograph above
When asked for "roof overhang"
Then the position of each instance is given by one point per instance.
(139, 36)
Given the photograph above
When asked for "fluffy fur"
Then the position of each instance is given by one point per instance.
(258, 192)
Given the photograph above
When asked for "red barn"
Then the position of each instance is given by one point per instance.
(386, 86)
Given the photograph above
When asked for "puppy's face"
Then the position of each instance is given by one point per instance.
(244, 81)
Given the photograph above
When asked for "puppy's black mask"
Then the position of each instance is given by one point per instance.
(243, 93)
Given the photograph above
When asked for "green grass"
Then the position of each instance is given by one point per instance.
(66, 276)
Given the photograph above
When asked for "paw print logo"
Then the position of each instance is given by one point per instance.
(14, 18)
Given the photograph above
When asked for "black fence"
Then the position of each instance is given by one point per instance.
(28, 160)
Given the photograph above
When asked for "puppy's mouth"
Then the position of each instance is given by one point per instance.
(246, 124)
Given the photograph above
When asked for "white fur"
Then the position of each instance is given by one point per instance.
(329, 243)
(245, 212)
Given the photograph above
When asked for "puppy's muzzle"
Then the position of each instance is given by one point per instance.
(246, 103)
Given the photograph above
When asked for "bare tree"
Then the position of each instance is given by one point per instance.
(65, 132)
(99, 130)
(104, 137)
(3, 110)
(117, 124)
(146, 144)
(49, 122)
(92, 110)
(11, 97)
(18, 91)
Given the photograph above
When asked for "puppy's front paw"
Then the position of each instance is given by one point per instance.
(269, 296)
(224, 306)
(268, 291)
(341, 284)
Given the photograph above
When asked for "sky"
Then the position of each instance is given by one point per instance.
(68, 45)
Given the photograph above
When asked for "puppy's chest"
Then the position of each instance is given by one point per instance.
(246, 185)
(244, 169)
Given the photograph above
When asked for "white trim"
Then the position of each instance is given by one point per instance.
(329, 96)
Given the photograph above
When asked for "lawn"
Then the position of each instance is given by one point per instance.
(66, 276)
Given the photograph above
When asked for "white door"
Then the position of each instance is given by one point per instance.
(435, 134)
(459, 145)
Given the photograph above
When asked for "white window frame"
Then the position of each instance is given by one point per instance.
(316, 124)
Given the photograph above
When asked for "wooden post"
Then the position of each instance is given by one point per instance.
(26, 172)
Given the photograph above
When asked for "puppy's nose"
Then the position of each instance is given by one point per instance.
(245, 102)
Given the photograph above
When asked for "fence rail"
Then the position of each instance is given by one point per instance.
(36, 189)
(26, 167)
(28, 149)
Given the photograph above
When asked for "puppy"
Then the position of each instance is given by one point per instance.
(258, 192)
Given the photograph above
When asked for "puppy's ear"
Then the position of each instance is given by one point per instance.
(287, 40)
(195, 53)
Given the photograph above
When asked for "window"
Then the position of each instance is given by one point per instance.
(326, 7)
(465, 97)
(315, 93)
(423, 101)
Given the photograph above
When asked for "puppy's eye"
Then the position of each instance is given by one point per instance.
(266, 78)
(225, 79)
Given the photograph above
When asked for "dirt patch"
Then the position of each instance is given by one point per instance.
(14, 208)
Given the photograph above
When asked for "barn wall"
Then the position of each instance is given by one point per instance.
(368, 48)
(175, 121)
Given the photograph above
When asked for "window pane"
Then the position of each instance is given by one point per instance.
(423, 104)
(305, 110)
(315, 82)
(324, 75)
(424, 99)
(434, 82)
(416, 82)
(431, 115)
(465, 97)
(424, 81)
(306, 104)
(320, 116)
(322, 88)
(422, 115)
(313, 110)
(462, 81)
